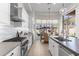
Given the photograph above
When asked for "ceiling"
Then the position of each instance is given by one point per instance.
(41, 11)
(43, 7)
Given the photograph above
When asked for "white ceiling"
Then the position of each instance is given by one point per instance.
(41, 9)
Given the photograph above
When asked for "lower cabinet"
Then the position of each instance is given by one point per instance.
(30, 42)
(15, 52)
(57, 50)
(53, 47)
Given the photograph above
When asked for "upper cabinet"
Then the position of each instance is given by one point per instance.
(16, 15)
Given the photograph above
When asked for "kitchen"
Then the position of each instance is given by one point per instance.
(39, 29)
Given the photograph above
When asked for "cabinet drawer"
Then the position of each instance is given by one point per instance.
(11, 53)
(14, 52)
(17, 51)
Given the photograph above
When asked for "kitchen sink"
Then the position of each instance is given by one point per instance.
(61, 39)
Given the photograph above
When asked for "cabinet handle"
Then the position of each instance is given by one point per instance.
(53, 45)
(11, 54)
(60, 47)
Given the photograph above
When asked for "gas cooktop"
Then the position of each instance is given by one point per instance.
(15, 39)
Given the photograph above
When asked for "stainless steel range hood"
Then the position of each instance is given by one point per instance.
(17, 19)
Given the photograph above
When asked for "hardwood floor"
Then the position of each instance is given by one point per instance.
(39, 49)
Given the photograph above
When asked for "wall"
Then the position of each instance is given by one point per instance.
(6, 31)
(30, 23)
(4, 13)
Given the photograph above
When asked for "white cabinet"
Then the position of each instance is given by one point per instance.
(53, 47)
(56, 48)
(30, 42)
(14, 52)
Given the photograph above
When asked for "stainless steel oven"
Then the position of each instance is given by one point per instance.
(64, 52)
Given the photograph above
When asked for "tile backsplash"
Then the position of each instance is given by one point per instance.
(7, 33)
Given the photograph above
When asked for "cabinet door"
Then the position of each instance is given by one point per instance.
(14, 52)
(4, 14)
(50, 44)
(51, 47)
(10, 53)
(30, 42)
(17, 51)
(64, 52)
(56, 47)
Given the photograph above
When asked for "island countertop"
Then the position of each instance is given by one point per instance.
(72, 46)
(6, 47)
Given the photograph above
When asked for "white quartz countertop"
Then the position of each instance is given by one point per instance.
(6, 47)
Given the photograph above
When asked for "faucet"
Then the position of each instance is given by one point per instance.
(17, 34)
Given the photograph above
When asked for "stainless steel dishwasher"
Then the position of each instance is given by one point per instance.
(64, 52)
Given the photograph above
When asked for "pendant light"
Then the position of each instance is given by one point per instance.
(49, 17)
(63, 19)
(49, 8)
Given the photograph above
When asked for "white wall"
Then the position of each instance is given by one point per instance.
(4, 13)
(6, 32)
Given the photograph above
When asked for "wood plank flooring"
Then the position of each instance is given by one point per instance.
(39, 49)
